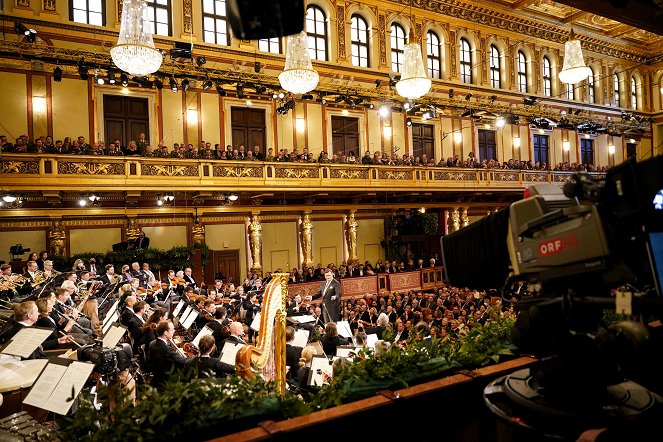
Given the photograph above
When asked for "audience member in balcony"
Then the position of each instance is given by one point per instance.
(132, 149)
(257, 154)
(113, 150)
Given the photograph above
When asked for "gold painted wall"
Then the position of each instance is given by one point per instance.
(279, 246)
(35, 240)
(70, 109)
(173, 130)
(370, 233)
(314, 128)
(228, 237)
(209, 104)
(93, 240)
(327, 242)
(166, 237)
(14, 109)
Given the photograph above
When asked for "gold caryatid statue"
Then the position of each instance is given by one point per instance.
(464, 219)
(351, 238)
(132, 230)
(255, 241)
(306, 232)
(58, 237)
(198, 233)
(454, 220)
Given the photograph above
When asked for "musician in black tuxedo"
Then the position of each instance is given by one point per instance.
(164, 356)
(292, 353)
(330, 292)
(205, 363)
(236, 333)
(220, 327)
(136, 323)
(188, 278)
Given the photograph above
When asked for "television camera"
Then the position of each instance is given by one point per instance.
(17, 251)
(107, 361)
(591, 246)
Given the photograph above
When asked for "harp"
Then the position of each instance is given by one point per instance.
(268, 355)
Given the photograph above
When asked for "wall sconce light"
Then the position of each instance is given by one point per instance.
(300, 124)
(386, 130)
(192, 116)
(458, 137)
(611, 149)
(516, 142)
(566, 145)
(39, 104)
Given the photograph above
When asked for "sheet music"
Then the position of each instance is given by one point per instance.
(178, 309)
(304, 318)
(345, 352)
(113, 335)
(26, 341)
(206, 331)
(301, 338)
(189, 319)
(111, 321)
(343, 328)
(255, 324)
(320, 365)
(371, 340)
(187, 310)
(110, 313)
(229, 352)
(55, 394)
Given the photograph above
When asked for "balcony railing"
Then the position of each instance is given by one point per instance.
(18, 171)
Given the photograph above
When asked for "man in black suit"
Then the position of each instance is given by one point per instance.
(330, 292)
(163, 354)
(236, 333)
(292, 353)
(135, 324)
(141, 242)
(188, 278)
(206, 363)
(220, 327)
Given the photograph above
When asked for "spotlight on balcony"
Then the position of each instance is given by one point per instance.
(220, 90)
(173, 84)
(124, 80)
(233, 197)
(201, 61)
(57, 74)
(111, 77)
(185, 84)
(21, 29)
(82, 69)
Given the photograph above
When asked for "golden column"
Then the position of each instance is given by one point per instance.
(255, 241)
(57, 237)
(454, 220)
(464, 219)
(351, 237)
(306, 229)
(132, 229)
(198, 233)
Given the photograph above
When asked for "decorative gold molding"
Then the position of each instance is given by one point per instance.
(340, 29)
(49, 5)
(23, 167)
(88, 168)
(187, 17)
(168, 170)
(237, 172)
(382, 39)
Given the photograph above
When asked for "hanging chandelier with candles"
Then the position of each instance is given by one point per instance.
(135, 52)
(298, 76)
(574, 70)
(414, 82)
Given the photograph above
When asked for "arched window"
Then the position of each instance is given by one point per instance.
(397, 45)
(522, 72)
(495, 69)
(272, 45)
(615, 85)
(159, 12)
(359, 41)
(434, 55)
(590, 87)
(634, 94)
(316, 30)
(547, 77)
(91, 12)
(215, 23)
(465, 61)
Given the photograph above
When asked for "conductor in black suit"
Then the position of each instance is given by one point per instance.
(163, 355)
(330, 292)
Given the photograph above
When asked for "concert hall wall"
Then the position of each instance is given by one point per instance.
(32, 239)
(93, 240)
(279, 245)
(228, 237)
(166, 237)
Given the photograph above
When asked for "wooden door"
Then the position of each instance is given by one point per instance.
(225, 262)
(125, 118)
(248, 127)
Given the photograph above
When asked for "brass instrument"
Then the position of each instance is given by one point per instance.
(38, 279)
(115, 279)
(12, 281)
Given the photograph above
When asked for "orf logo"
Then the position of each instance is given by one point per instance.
(557, 245)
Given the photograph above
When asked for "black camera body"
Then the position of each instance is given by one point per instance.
(18, 250)
(107, 361)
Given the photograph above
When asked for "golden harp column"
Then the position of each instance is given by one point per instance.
(464, 219)
(57, 237)
(351, 237)
(306, 229)
(279, 336)
(255, 242)
(454, 220)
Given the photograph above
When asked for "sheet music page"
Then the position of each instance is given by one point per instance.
(303, 319)
(74, 378)
(111, 321)
(229, 352)
(44, 386)
(344, 330)
(26, 341)
(110, 312)
(206, 331)
(186, 313)
(344, 352)
(189, 319)
(371, 340)
(113, 335)
(178, 309)
(301, 338)
(320, 365)
(255, 324)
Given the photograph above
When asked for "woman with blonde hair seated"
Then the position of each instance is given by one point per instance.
(305, 365)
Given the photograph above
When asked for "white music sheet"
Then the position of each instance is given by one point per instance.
(343, 328)
(178, 309)
(321, 371)
(229, 352)
(255, 324)
(303, 319)
(186, 323)
(186, 313)
(26, 341)
(346, 352)
(110, 313)
(371, 340)
(206, 331)
(301, 338)
(53, 389)
(111, 321)
(113, 335)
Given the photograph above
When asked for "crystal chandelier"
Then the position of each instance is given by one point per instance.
(134, 52)
(574, 70)
(414, 82)
(298, 75)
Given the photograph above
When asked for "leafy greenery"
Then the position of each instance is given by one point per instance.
(176, 258)
(611, 317)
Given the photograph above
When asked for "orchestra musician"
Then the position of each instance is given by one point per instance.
(126, 273)
(128, 309)
(330, 340)
(45, 305)
(236, 333)
(137, 273)
(330, 292)
(207, 311)
(92, 267)
(188, 278)
(32, 273)
(110, 277)
(220, 326)
(205, 363)
(292, 353)
(147, 271)
(43, 256)
(135, 324)
(66, 305)
(49, 272)
(163, 355)
(158, 316)
(141, 242)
